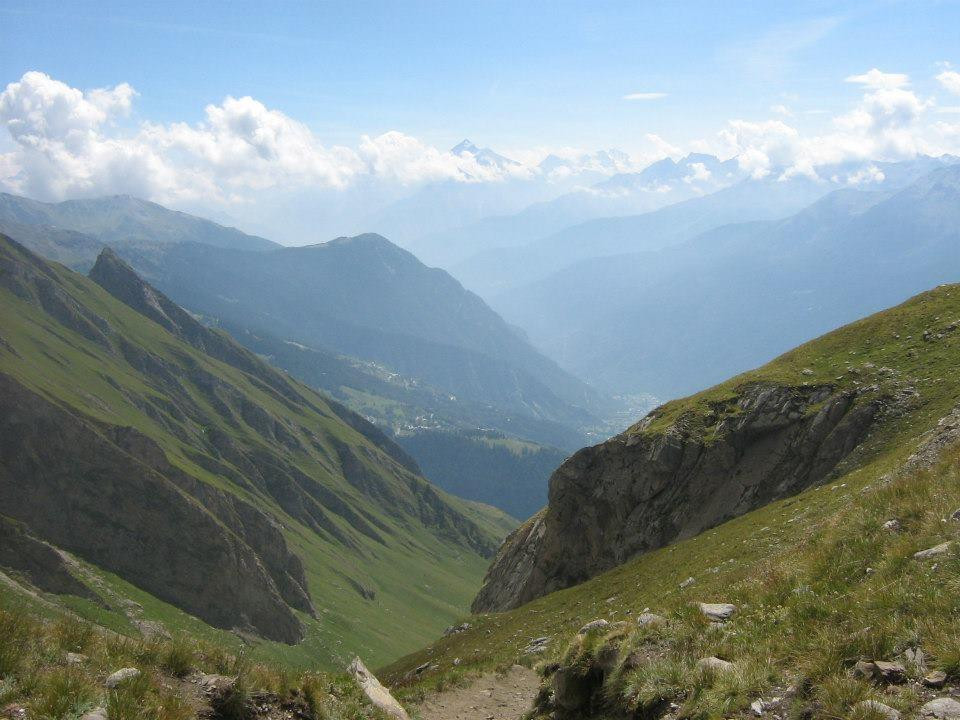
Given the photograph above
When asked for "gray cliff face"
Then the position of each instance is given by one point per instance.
(642, 490)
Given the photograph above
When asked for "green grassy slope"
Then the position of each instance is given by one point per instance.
(422, 575)
(820, 542)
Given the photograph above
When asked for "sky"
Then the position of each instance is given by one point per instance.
(209, 102)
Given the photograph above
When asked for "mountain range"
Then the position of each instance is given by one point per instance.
(359, 318)
(215, 484)
(648, 320)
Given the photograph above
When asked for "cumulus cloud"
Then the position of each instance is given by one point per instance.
(698, 173)
(68, 142)
(950, 79)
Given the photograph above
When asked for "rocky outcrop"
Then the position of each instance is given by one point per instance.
(645, 489)
(128, 518)
(41, 563)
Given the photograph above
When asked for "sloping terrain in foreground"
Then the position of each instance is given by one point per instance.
(820, 581)
(206, 491)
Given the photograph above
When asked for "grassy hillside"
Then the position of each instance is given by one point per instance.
(388, 560)
(820, 581)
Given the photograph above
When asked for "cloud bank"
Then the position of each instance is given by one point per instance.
(68, 142)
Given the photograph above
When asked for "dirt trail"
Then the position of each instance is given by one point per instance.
(491, 697)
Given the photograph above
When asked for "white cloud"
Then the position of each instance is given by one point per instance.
(950, 79)
(68, 142)
(698, 173)
(878, 80)
(645, 96)
(866, 176)
(65, 142)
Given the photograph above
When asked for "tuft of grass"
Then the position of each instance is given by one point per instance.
(62, 693)
(178, 657)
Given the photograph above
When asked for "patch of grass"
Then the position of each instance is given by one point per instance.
(62, 693)
(178, 657)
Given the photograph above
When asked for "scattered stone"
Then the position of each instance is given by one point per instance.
(649, 618)
(219, 689)
(916, 658)
(806, 371)
(955, 515)
(935, 679)
(537, 645)
(758, 707)
(718, 612)
(943, 708)
(593, 625)
(456, 629)
(714, 664)
(14, 712)
(934, 551)
(890, 672)
(75, 658)
(687, 583)
(376, 693)
(892, 525)
(421, 669)
(95, 714)
(152, 629)
(120, 676)
(456, 662)
(878, 707)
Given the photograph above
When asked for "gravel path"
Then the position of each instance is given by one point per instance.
(491, 697)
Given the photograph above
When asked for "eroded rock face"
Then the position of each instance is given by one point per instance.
(642, 490)
(129, 517)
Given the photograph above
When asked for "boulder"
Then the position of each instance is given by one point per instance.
(935, 679)
(943, 708)
(650, 619)
(75, 658)
(120, 676)
(95, 714)
(718, 612)
(714, 664)
(221, 693)
(874, 706)
(934, 551)
(890, 672)
(593, 626)
(376, 693)
(892, 525)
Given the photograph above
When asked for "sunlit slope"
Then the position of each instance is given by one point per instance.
(238, 450)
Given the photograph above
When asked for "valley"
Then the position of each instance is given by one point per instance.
(628, 412)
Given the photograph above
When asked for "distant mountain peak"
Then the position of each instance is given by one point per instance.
(465, 145)
(483, 156)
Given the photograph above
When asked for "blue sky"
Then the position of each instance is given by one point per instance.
(284, 115)
(503, 73)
